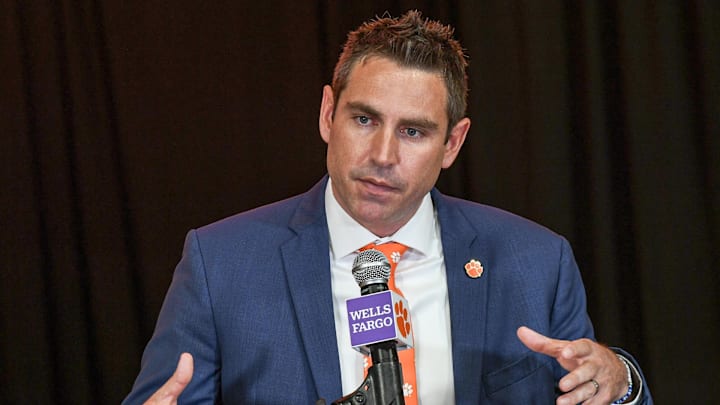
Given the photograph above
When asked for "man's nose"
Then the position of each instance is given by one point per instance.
(384, 147)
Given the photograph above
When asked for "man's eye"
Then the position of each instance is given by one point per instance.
(412, 132)
(362, 120)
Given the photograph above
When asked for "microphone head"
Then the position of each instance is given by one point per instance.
(371, 267)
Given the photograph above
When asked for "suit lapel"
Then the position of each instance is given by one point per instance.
(467, 296)
(307, 268)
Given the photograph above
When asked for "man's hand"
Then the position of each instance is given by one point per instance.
(168, 394)
(587, 361)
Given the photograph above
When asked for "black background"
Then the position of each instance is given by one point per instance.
(124, 124)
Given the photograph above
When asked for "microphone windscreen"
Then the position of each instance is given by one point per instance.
(371, 266)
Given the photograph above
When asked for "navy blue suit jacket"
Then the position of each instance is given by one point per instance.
(251, 300)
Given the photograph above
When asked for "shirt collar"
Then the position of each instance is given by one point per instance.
(347, 235)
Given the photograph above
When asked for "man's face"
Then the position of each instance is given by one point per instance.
(386, 141)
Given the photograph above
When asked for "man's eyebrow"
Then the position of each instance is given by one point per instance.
(423, 123)
(419, 122)
(360, 106)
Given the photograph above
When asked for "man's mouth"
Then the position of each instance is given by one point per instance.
(377, 186)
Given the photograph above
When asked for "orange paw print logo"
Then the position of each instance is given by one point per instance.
(474, 268)
(402, 317)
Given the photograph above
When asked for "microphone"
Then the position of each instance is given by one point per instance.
(374, 331)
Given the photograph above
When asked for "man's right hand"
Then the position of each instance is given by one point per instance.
(168, 394)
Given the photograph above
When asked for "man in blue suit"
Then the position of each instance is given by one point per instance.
(255, 310)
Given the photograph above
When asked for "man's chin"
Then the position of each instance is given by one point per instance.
(372, 212)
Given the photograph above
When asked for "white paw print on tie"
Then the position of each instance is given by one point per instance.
(395, 256)
(407, 390)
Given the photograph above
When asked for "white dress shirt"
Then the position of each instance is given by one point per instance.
(420, 275)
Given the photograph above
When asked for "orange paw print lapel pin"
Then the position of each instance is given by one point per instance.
(474, 269)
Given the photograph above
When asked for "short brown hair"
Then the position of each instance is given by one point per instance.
(410, 41)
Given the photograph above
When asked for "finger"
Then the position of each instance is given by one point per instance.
(174, 386)
(184, 371)
(578, 349)
(578, 376)
(584, 392)
(540, 343)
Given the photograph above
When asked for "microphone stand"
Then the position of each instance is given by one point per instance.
(383, 384)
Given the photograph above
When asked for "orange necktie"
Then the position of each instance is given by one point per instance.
(393, 251)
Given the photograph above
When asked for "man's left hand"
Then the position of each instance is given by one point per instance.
(596, 375)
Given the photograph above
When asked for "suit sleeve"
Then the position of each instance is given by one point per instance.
(569, 318)
(185, 324)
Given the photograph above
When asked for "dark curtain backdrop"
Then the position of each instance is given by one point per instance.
(124, 124)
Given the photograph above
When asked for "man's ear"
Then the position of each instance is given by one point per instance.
(455, 142)
(327, 108)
